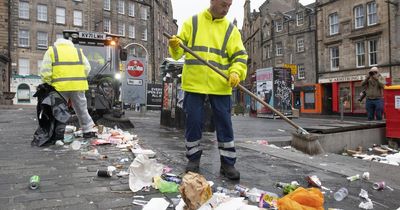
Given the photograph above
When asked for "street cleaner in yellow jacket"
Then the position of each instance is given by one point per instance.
(66, 68)
(216, 40)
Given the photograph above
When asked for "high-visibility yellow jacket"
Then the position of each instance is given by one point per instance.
(65, 67)
(216, 41)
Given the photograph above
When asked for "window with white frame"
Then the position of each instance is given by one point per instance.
(131, 31)
(372, 17)
(60, 15)
(300, 18)
(121, 6)
(121, 29)
(59, 36)
(23, 10)
(301, 72)
(144, 13)
(373, 52)
(300, 45)
(23, 66)
(42, 40)
(41, 12)
(334, 57)
(23, 38)
(144, 35)
(333, 24)
(359, 16)
(131, 9)
(77, 18)
(107, 5)
(107, 25)
(360, 54)
(279, 49)
(278, 25)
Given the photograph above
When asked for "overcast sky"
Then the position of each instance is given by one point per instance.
(184, 9)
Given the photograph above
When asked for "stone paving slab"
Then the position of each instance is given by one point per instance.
(68, 182)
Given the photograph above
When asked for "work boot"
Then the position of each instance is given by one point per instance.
(229, 171)
(193, 166)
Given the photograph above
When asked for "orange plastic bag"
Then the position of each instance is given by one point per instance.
(302, 199)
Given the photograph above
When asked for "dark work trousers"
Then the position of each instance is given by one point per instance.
(193, 105)
(374, 108)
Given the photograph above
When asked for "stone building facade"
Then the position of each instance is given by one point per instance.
(38, 23)
(4, 51)
(354, 36)
(281, 34)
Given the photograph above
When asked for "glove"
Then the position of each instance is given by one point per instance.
(233, 79)
(174, 42)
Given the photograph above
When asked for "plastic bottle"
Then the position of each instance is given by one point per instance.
(254, 194)
(340, 194)
(231, 193)
(92, 155)
(354, 178)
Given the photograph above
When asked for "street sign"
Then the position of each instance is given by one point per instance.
(292, 67)
(135, 68)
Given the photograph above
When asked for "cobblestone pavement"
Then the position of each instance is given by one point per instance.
(69, 182)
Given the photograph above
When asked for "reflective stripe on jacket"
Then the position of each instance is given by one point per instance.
(216, 41)
(68, 72)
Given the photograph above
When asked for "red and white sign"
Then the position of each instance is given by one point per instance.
(135, 68)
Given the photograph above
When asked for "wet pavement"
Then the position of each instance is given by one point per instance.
(69, 182)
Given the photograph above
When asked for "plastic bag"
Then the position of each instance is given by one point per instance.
(164, 186)
(141, 172)
(302, 199)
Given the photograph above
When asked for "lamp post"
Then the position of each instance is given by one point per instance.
(147, 67)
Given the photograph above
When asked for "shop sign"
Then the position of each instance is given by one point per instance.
(292, 67)
(347, 78)
(342, 79)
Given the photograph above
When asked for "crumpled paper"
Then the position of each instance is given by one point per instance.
(141, 172)
(195, 190)
(366, 205)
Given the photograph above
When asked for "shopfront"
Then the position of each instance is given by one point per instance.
(307, 98)
(345, 90)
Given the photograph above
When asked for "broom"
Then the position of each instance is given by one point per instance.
(301, 139)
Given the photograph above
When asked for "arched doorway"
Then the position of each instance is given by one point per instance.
(23, 93)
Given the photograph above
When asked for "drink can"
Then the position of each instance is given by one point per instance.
(104, 173)
(242, 189)
(34, 182)
(173, 179)
(379, 185)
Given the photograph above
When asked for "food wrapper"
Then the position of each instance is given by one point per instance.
(195, 190)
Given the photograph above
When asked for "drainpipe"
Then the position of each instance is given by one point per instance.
(9, 46)
(153, 31)
(390, 41)
(316, 44)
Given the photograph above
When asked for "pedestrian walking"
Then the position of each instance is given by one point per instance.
(215, 39)
(373, 85)
(66, 68)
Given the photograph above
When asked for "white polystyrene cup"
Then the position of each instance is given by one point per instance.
(76, 145)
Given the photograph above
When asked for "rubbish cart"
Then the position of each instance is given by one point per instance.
(392, 114)
(172, 114)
